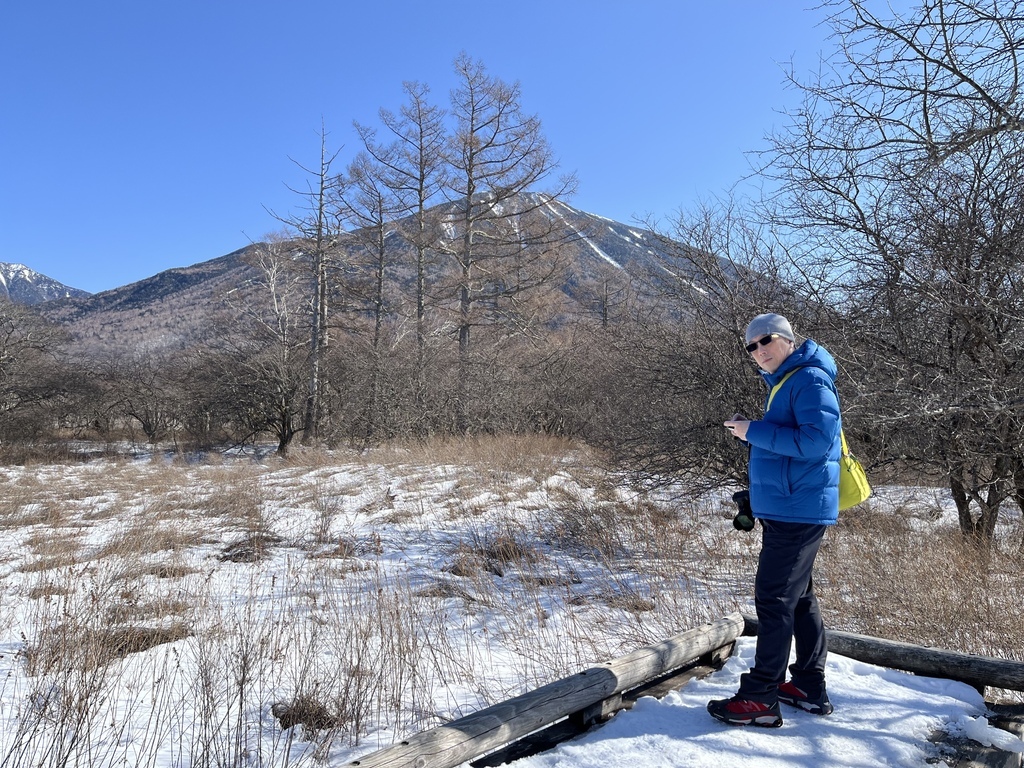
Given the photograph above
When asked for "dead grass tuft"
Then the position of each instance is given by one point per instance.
(122, 641)
(143, 537)
(71, 646)
(629, 602)
(251, 549)
(235, 493)
(47, 590)
(584, 523)
(382, 501)
(445, 588)
(304, 711)
(507, 548)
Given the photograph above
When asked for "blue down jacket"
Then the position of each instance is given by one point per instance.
(795, 448)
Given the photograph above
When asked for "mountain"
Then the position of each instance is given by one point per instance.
(182, 306)
(168, 311)
(21, 285)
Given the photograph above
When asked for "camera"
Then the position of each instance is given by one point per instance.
(744, 520)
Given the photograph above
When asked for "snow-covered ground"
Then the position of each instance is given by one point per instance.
(171, 614)
(882, 717)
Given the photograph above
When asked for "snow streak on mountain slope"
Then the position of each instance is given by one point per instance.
(590, 243)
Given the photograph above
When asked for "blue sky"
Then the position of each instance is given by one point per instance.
(138, 136)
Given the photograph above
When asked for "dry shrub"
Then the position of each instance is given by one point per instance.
(581, 523)
(250, 549)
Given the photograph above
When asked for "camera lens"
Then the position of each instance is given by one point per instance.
(743, 522)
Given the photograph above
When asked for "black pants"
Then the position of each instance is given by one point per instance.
(787, 610)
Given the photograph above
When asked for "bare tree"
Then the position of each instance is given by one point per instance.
(677, 368)
(902, 184)
(30, 372)
(147, 395)
(319, 226)
(259, 368)
(415, 171)
(503, 237)
(372, 206)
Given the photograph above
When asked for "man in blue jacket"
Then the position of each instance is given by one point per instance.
(794, 492)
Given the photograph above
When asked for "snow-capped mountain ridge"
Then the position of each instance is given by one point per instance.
(177, 305)
(22, 285)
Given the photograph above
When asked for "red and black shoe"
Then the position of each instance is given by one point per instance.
(795, 697)
(740, 711)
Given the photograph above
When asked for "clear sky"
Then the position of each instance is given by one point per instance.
(141, 135)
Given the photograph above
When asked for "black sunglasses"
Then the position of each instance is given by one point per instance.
(763, 342)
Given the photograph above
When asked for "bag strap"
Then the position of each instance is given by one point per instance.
(777, 387)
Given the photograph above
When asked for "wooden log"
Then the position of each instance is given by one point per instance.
(581, 722)
(469, 737)
(977, 671)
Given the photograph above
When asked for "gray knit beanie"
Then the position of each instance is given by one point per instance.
(767, 323)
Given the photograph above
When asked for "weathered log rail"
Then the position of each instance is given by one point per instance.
(474, 735)
(599, 691)
(977, 671)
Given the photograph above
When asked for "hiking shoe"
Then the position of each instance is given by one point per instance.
(740, 711)
(790, 694)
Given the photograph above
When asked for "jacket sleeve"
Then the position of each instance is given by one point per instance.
(805, 425)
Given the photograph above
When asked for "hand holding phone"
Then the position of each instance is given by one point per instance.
(737, 426)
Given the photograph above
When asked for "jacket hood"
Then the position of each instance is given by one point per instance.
(808, 355)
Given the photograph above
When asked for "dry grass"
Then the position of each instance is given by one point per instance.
(337, 622)
(929, 587)
(146, 536)
(90, 648)
(234, 493)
